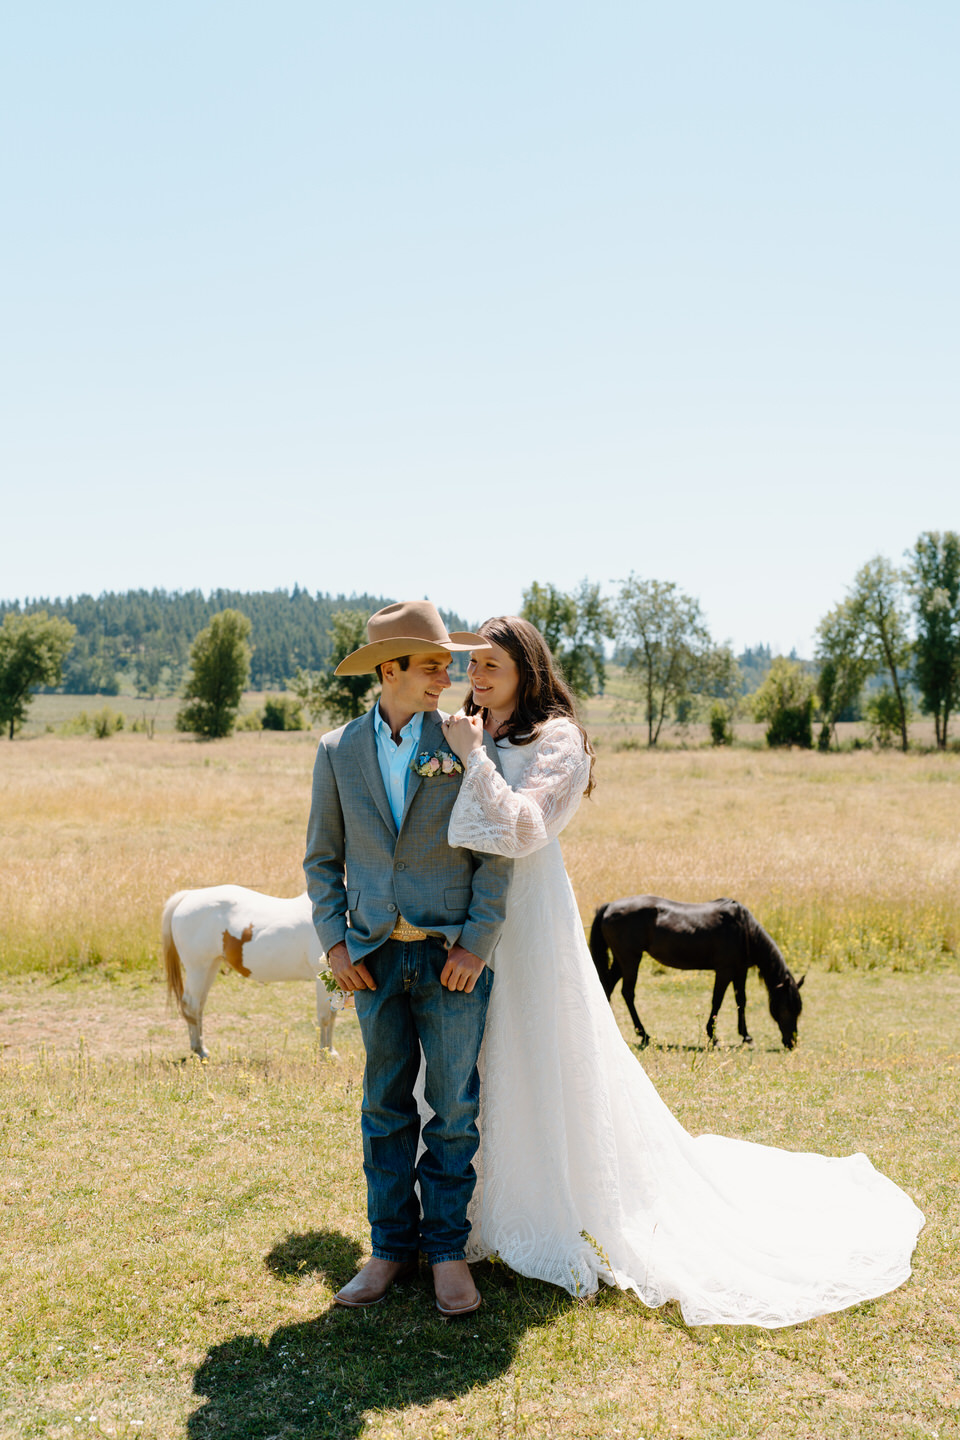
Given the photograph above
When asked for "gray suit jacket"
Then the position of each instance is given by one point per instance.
(358, 865)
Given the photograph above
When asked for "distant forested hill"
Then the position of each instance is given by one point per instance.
(142, 638)
(754, 663)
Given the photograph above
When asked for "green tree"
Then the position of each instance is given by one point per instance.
(220, 668)
(721, 730)
(877, 607)
(574, 627)
(106, 722)
(883, 716)
(667, 645)
(843, 652)
(340, 697)
(933, 577)
(91, 668)
(721, 683)
(282, 712)
(785, 701)
(143, 637)
(32, 651)
(149, 666)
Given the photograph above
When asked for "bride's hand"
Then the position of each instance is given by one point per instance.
(464, 734)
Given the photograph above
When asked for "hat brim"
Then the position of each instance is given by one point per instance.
(368, 657)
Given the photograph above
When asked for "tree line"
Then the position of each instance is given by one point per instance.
(904, 624)
(38, 651)
(899, 623)
(141, 639)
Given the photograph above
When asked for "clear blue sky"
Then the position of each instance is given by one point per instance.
(444, 298)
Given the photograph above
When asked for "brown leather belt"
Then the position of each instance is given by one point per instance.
(406, 932)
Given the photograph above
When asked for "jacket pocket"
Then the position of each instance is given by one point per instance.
(353, 899)
(458, 897)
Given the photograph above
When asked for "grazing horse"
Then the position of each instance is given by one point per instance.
(257, 935)
(719, 935)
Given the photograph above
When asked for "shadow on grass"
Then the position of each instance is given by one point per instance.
(745, 1047)
(320, 1252)
(319, 1377)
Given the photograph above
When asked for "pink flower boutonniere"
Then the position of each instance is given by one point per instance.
(442, 762)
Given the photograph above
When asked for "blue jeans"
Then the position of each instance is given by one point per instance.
(410, 1008)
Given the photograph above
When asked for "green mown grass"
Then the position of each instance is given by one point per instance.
(174, 1233)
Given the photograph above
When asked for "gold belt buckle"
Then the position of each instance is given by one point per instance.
(405, 932)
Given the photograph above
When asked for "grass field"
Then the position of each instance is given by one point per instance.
(173, 1232)
(849, 859)
(614, 718)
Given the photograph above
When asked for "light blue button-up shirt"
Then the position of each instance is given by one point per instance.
(396, 760)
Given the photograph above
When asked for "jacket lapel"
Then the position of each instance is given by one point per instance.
(370, 769)
(431, 738)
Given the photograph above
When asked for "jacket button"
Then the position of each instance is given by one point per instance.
(391, 907)
(401, 865)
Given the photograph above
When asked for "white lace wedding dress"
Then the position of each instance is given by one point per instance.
(583, 1173)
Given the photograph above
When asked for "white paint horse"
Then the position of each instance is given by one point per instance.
(260, 937)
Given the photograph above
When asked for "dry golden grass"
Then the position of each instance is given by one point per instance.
(97, 834)
(849, 859)
(58, 714)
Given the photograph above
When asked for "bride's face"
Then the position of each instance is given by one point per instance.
(495, 679)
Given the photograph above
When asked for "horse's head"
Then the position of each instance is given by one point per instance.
(785, 1007)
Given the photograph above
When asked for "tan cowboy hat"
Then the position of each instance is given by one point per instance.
(411, 627)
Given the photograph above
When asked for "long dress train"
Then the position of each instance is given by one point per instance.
(583, 1172)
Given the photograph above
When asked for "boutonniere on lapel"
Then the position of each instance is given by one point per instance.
(441, 762)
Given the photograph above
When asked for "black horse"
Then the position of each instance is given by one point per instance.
(719, 935)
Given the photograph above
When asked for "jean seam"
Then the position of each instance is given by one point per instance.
(387, 1156)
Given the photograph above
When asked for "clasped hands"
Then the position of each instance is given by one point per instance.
(463, 733)
(461, 971)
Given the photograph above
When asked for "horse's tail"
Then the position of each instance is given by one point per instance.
(599, 949)
(171, 955)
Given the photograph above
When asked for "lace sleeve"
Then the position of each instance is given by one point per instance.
(492, 817)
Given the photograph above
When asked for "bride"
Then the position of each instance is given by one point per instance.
(583, 1174)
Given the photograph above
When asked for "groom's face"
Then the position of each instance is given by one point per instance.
(420, 686)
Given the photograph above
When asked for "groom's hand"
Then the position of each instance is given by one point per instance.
(462, 969)
(348, 976)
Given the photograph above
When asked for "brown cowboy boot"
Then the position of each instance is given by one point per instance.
(370, 1285)
(455, 1290)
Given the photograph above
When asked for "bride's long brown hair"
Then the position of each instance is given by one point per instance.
(542, 693)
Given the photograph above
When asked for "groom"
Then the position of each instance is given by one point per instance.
(408, 924)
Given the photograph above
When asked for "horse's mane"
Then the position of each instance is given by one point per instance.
(763, 949)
